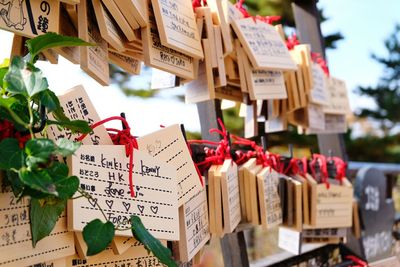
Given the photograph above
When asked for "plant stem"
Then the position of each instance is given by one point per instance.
(30, 118)
(88, 196)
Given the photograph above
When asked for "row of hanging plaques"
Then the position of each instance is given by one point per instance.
(170, 198)
(213, 51)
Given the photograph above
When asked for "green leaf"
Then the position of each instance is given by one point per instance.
(98, 236)
(23, 79)
(3, 72)
(57, 170)
(66, 186)
(15, 183)
(44, 215)
(49, 100)
(67, 147)
(38, 180)
(151, 243)
(11, 155)
(76, 126)
(38, 151)
(6, 63)
(52, 40)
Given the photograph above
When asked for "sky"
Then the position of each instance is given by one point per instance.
(364, 23)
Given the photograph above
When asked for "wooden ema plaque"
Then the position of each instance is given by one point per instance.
(129, 64)
(316, 117)
(263, 45)
(94, 59)
(242, 186)
(338, 97)
(251, 195)
(135, 256)
(103, 171)
(134, 10)
(77, 105)
(168, 145)
(55, 263)
(230, 195)
(334, 123)
(305, 61)
(194, 227)
(29, 18)
(319, 92)
(16, 243)
(221, 10)
(159, 56)
(176, 23)
(67, 28)
(330, 208)
(268, 198)
(109, 29)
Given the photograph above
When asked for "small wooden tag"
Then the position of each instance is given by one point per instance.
(319, 91)
(221, 9)
(71, 53)
(230, 195)
(338, 97)
(129, 64)
(158, 56)
(103, 171)
(316, 117)
(169, 145)
(30, 18)
(263, 45)
(290, 240)
(77, 105)
(205, 13)
(177, 27)
(94, 59)
(134, 10)
(194, 228)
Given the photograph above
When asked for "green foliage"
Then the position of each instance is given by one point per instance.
(152, 244)
(386, 94)
(98, 236)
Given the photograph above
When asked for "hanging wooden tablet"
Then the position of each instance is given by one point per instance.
(263, 45)
(77, 105)
(72, 11)
(338, 97)
(29, 18)
(177, 27)
(218, 205)
(134, 10)
(290, 240)
(202, 88)
(302, 96)
(129, 64)
(268, 198)
(319, 92)
(18, 47)
(211, 199)
(158, 56)
(51, 56)
(316, 117)
(305, 198)
(16, 240)
(288, 85)
(103, 171)
(55, 263)
(297, 205)
(221, 9)
(71, 2)
(233, 12)
(94, 59)
(67, 28)
(122, 22)
(229, 92)
(251, 194)
(135, 256)
(250, 120)
(208, 32)
(169, 145)
(220, 80)
(306, 63)
(334, 123)
(241, 57)
(194, 228)
(109, 30)
(230, 195)
(121, 244)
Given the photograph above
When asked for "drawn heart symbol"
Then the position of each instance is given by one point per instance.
(154, 209)
(141, 208)
(137, 188)
(126, 205)
(93, 201)
(109, 203)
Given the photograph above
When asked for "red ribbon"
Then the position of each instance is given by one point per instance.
(245, 13)
(317, 58)
(120, 137)
(7, 130)
(239, 6)
(356, 260)
(198, 3)
(292, 41)
(340, 166)
(320, 161)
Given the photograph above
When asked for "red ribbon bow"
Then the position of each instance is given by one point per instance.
(7, 130)
(319, 161)
(198, 3)
(120, 137)
(317, 58)
(292, 41)
(245, 13)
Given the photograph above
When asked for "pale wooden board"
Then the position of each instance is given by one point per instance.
(221, 9)
(205, 13)
(129, 64)
(250, 164)
(176, 23)
(319, 91)
(161, 57)
(18, 47)
(266, 84)
(241, 57)
(306, 63)
(135, 256)
(169, 145)
(72, 11)
(211, 199)
(103, 171)
(334, 123)
(16, 244)
(30, 18)
(135, 10)
(305, 197)
(194, 228)
(120, 19)
(242, 192)
(268, 198)
(51, 56)
(251, 180)
(109, 29)
(263, 45)
(356, 229)
(55, 263)
(315, 116)
(229, 92)
(93, 59)
(298, 210)
(233, 12)
(71, 2)
(77, 105)
(339, 100)
(219, 216)
(230, 195)
(66, 28)
(221, 78)
(250, 120)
